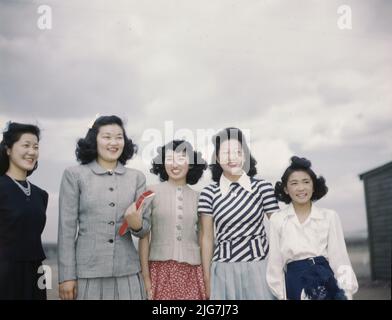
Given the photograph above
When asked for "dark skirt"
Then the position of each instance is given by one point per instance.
(312, 279)
(19, 281)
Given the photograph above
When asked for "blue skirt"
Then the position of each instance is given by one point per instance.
(312, 279)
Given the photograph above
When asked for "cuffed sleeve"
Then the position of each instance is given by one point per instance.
(205, 202)
(270, 204)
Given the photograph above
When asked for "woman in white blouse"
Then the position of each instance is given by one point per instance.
(308, 257)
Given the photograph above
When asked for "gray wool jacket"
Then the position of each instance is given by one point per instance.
(92, 204)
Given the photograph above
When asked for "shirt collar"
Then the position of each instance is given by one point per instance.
(97, 169)
(243, 181)
(315, 212)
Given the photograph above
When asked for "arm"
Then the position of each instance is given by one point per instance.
(270, 204)
(275, 267)
(144, 253)
(339, 259)
(139, 220)
(67, 228)
(206, 246)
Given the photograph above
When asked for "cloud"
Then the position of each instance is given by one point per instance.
(280, 69)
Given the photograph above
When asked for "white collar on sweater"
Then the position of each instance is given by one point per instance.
(243, 181)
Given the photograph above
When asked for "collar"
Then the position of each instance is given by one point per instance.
(243, 181)
(315, 212)
(97, 169)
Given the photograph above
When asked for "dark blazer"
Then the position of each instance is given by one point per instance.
(22, 221)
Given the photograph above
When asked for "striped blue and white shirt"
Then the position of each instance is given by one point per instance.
(238, 218)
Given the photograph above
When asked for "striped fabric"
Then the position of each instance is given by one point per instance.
(238, 219)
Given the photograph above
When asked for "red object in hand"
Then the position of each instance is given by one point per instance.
(145, 195)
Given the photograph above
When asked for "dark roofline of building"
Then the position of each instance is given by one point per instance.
(375, 170)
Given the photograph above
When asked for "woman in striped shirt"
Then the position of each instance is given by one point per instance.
(235, 206)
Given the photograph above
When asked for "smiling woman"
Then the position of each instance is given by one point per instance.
(308, 255)
(22, 215)
(170, 252)
(95, 197)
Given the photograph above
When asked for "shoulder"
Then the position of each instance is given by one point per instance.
(40, 190)
(4, 184)
(157, 187)
(261, 184)
(191, 193)
(210, 191)
(76, 173)
(328, 214)
(76, 170)
(44, 194)
(4, 180)
(211, 188)
(278, 217)
(136, 174)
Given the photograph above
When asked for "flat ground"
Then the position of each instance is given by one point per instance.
(359, 255)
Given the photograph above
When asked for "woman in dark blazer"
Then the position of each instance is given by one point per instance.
(94, 261)
(22, 215)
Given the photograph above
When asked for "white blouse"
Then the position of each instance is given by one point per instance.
(320, 235)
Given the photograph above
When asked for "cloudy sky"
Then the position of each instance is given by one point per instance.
(281, 70)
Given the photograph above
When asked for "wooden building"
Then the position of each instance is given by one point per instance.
(378, 197)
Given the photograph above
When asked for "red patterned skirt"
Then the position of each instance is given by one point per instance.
(172, 280)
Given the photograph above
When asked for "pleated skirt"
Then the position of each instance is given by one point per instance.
(129, 287)
(239, 281)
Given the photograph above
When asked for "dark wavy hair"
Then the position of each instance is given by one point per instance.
(228, 134)
(197, 164)
(300, 164)
(86, 149)
(10, 136)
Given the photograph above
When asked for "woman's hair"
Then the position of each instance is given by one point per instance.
(231, 134)
(11, 135)
(86, 149)
(196, 162)
(300, 164)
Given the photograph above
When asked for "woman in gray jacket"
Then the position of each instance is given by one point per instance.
(95, 196)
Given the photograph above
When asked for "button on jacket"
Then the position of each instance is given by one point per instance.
(92, 204)
(174, 224)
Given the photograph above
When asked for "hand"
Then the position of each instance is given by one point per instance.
(148, 287)
(68, 290)
(133, 216)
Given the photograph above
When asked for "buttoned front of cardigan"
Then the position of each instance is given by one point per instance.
(92, 204)
(174, 224)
